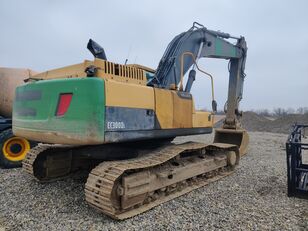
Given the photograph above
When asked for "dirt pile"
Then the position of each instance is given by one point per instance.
(254, 122)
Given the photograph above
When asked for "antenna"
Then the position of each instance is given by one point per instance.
(128, 53)
(135, 59)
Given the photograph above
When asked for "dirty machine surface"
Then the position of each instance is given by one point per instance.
(119, 120)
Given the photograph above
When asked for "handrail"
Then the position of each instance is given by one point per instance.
(204, 72)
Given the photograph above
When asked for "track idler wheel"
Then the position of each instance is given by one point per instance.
(237, 137)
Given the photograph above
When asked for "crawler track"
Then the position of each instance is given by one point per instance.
(122, 189)
(27, 163)
(53, 162)
(125, 188)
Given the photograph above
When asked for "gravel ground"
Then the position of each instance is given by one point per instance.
(253, 198)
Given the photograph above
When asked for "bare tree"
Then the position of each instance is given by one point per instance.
(302, 110)
(279, 111)
(290, 111)
(263, 112)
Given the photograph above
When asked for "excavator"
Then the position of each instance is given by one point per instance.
(119, 121)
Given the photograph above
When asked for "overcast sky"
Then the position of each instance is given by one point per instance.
(43, 35)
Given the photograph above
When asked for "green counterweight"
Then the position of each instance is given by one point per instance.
(36, 104)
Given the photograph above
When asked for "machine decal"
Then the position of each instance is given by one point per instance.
(123, 119)
(28, 95)
(25, 112)
(115, 125)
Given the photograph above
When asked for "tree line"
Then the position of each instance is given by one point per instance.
(277, 112)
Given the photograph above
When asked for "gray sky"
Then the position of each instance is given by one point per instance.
(43, 35)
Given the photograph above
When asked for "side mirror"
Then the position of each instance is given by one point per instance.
(214, 106)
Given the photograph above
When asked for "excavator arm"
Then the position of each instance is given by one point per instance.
(203, 43)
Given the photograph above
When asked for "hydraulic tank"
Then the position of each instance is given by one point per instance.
(10, 78)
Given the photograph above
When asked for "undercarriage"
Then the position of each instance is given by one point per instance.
(125, 188)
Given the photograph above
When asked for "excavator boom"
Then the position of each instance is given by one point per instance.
(204, 43)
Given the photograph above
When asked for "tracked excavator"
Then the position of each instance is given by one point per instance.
(119, 121)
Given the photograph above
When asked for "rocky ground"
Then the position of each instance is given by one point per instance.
(253, 198)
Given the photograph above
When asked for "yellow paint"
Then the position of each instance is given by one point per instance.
(182, 111)
(120, 94)
(142, 67)
(164, 107)
(173, 111)
(201, 119)
(72, 71)
(106, 70)
(23, 144)
(120, 73)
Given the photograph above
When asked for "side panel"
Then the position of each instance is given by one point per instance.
(164, 107)
(135, 112)
(129, 95)
(202, 119)
(173, 109)
(182, 110)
